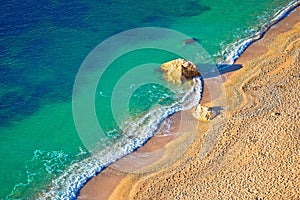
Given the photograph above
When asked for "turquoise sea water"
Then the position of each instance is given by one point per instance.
(42, 47)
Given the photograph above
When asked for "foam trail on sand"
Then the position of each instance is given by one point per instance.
(74, 177)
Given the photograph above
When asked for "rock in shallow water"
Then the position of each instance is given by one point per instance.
(179, 70)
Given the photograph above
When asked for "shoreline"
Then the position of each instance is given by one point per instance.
(240, 46)
(115, 181)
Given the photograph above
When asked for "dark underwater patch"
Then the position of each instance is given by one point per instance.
(16, 105)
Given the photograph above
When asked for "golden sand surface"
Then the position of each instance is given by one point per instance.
(249, 151)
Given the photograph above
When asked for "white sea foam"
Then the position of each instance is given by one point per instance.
(50, 162)
(136, 134)
(68, 184)
(233, 51)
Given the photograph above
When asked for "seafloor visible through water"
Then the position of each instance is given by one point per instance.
(43, 44)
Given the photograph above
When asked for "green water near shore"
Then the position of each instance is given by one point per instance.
(40, 58)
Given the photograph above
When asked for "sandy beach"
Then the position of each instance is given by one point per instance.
(250, 150)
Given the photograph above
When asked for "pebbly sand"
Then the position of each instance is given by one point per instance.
(250, 150)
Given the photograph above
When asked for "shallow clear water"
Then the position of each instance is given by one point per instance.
(43, 45)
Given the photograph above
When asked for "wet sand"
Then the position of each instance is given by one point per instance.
(249, 151)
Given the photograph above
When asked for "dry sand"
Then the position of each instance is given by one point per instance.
(249, 151)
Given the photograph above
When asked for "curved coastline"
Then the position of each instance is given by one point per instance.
(243, 58)
(94, 166)
(138, 133)
(263, 162)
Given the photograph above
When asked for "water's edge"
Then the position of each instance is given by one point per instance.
(73, 179)
(233, 51)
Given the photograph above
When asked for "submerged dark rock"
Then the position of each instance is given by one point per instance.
(190, 40)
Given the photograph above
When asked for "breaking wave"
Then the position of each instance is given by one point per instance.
(68, 184)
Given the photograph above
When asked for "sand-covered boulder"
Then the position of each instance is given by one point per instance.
(202, 113)
(179, 70)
